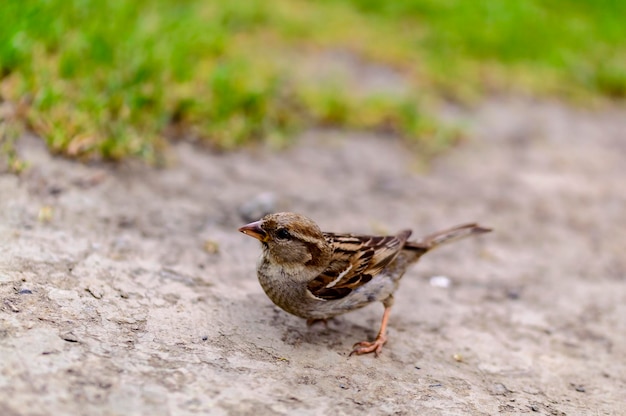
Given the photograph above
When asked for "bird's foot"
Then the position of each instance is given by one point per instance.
(311, 322)
(366, 347)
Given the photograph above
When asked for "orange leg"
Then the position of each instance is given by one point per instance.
(376, 346)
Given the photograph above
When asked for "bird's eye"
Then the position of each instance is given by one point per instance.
(282, 234)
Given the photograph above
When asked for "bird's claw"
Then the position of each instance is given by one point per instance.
(366, 347)
(312, 321)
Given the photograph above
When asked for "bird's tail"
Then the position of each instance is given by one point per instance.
(446, 236)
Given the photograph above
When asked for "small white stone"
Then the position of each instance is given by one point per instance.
(440, 281)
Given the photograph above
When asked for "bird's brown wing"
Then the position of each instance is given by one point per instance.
(355, 261)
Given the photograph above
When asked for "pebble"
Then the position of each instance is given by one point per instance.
(258, 207)
(499, 389)
(25, 292)
(69, 337)
(513, 294)
(211, 246)
(55, 190)
(45, 214)
(440, 281)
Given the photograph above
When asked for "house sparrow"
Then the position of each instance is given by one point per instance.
(317, 275)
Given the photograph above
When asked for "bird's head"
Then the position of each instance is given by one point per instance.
(290, 240)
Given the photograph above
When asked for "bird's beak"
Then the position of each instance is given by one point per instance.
(254, 230)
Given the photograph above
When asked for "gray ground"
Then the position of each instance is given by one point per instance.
(128, 290)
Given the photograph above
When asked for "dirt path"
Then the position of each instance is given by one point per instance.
(113, 301)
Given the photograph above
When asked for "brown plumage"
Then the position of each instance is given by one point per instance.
(317, 275)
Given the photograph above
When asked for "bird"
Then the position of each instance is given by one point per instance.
(318, 275)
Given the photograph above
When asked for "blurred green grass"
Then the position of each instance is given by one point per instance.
(117, 79)
(564, 47)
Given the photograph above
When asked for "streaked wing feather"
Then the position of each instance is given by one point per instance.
(356, 260)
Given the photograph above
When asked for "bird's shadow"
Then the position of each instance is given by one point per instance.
(335, 333)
